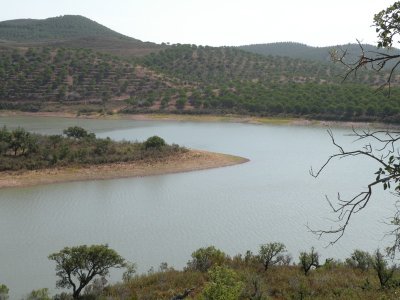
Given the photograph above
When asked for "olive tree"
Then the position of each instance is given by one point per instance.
(77, 266)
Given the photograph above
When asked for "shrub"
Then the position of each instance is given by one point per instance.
(154, 142)
(360, 259)
(224, 284)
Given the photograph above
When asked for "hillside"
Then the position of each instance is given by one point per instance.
(36, 77)
(71, 69)
(72, 32)
(189, 79)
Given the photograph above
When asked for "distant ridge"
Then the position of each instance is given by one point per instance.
(56, 28)
(302, 51)
(71, 31)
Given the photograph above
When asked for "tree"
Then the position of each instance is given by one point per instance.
(205, 258)
(272, 254)
(22, 141)
(154, 142)
(3, 292)
(309, 260)
(41, 294)
(380, 265)
(77, 266)
(387, 26)
(360, 259)
(379, 146)
(77, 132)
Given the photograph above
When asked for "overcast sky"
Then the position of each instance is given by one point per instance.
(218, 22)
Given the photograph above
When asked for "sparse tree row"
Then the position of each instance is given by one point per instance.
(212, 274)
(22, 150)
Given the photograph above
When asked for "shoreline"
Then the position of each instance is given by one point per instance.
(193, 160)
(205, 118)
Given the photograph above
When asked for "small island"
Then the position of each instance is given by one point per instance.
(28, 159)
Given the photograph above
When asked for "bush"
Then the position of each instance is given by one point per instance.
(154, 142)
(360, 259)
(224, 284)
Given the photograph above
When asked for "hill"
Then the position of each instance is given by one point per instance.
(302, 51)
(72, 32)
(72, 70)
(63, 27)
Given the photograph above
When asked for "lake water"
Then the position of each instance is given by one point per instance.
(165, 218)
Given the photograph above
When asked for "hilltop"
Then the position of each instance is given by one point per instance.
(70, 31)
(87, 68)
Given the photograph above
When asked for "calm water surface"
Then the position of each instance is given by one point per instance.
(164, 218)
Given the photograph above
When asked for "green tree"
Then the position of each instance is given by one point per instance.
(5, 139)
(77, 266)
(380, 265)
(205, 258)
(22, 141)
(360, 259)
(41, 294)
(130, 272)
(272, 254)
(3, 292)
(309, 260)
(154, 142)
(224, 284)
(76, 132)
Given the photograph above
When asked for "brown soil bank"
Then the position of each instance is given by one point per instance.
(184, 162)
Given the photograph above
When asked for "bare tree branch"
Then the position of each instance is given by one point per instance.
(389, 172)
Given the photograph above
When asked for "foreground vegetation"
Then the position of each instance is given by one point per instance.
(212, 274)
(22, 150)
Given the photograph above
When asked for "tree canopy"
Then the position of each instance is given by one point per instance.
(77, 266)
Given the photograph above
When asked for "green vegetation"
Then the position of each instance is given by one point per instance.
(63, 27)
(60, 68)
(33, 78)
(22, 150)
(84, 269)
(77, 266)
(72, 32)
(189, 79)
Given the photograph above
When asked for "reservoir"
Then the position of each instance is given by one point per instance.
(165, 218)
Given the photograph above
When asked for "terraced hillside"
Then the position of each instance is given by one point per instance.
(65, 64)
(189, 79)
(229, 80)
(29, 79)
